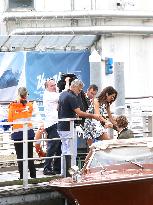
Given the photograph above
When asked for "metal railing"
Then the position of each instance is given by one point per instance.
(73, 141)
(146, 131)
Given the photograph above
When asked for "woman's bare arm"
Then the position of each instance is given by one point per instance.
(110, 116)
(97, 110)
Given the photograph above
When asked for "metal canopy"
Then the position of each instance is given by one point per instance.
(46, 42)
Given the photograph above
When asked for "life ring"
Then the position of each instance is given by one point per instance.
(38, 147)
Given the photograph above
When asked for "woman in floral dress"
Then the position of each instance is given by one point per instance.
(96, 130)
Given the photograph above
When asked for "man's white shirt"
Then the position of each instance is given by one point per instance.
(50, 103)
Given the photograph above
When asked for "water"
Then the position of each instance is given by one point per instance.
(60, 201)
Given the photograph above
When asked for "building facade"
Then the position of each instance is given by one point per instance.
(121, 30)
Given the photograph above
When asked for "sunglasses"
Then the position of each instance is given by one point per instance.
(50, 79)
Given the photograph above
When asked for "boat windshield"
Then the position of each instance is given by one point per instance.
(137, 155)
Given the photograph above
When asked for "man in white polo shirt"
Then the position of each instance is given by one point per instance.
(50, 102)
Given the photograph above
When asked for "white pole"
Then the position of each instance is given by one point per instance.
(73, 144)
(25, 155)
(120, 87)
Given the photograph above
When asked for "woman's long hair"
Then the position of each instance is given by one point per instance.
(103, 97)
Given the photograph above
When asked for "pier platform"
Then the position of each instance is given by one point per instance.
(12, 191)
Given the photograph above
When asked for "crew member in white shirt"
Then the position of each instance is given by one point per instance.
(50, 102)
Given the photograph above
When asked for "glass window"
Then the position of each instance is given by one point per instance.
(15, 4)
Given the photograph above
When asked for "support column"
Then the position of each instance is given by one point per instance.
(95, 69)
(120, 87)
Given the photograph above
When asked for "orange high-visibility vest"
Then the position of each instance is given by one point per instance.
(19, 112)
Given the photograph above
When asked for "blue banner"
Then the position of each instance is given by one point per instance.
(31, 69)
(12, 76)
(42, 65)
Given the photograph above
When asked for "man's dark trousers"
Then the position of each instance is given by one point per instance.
(53, 148)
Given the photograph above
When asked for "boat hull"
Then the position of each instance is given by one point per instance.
(124, 192)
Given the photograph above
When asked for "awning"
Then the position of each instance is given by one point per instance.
(46, 42)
